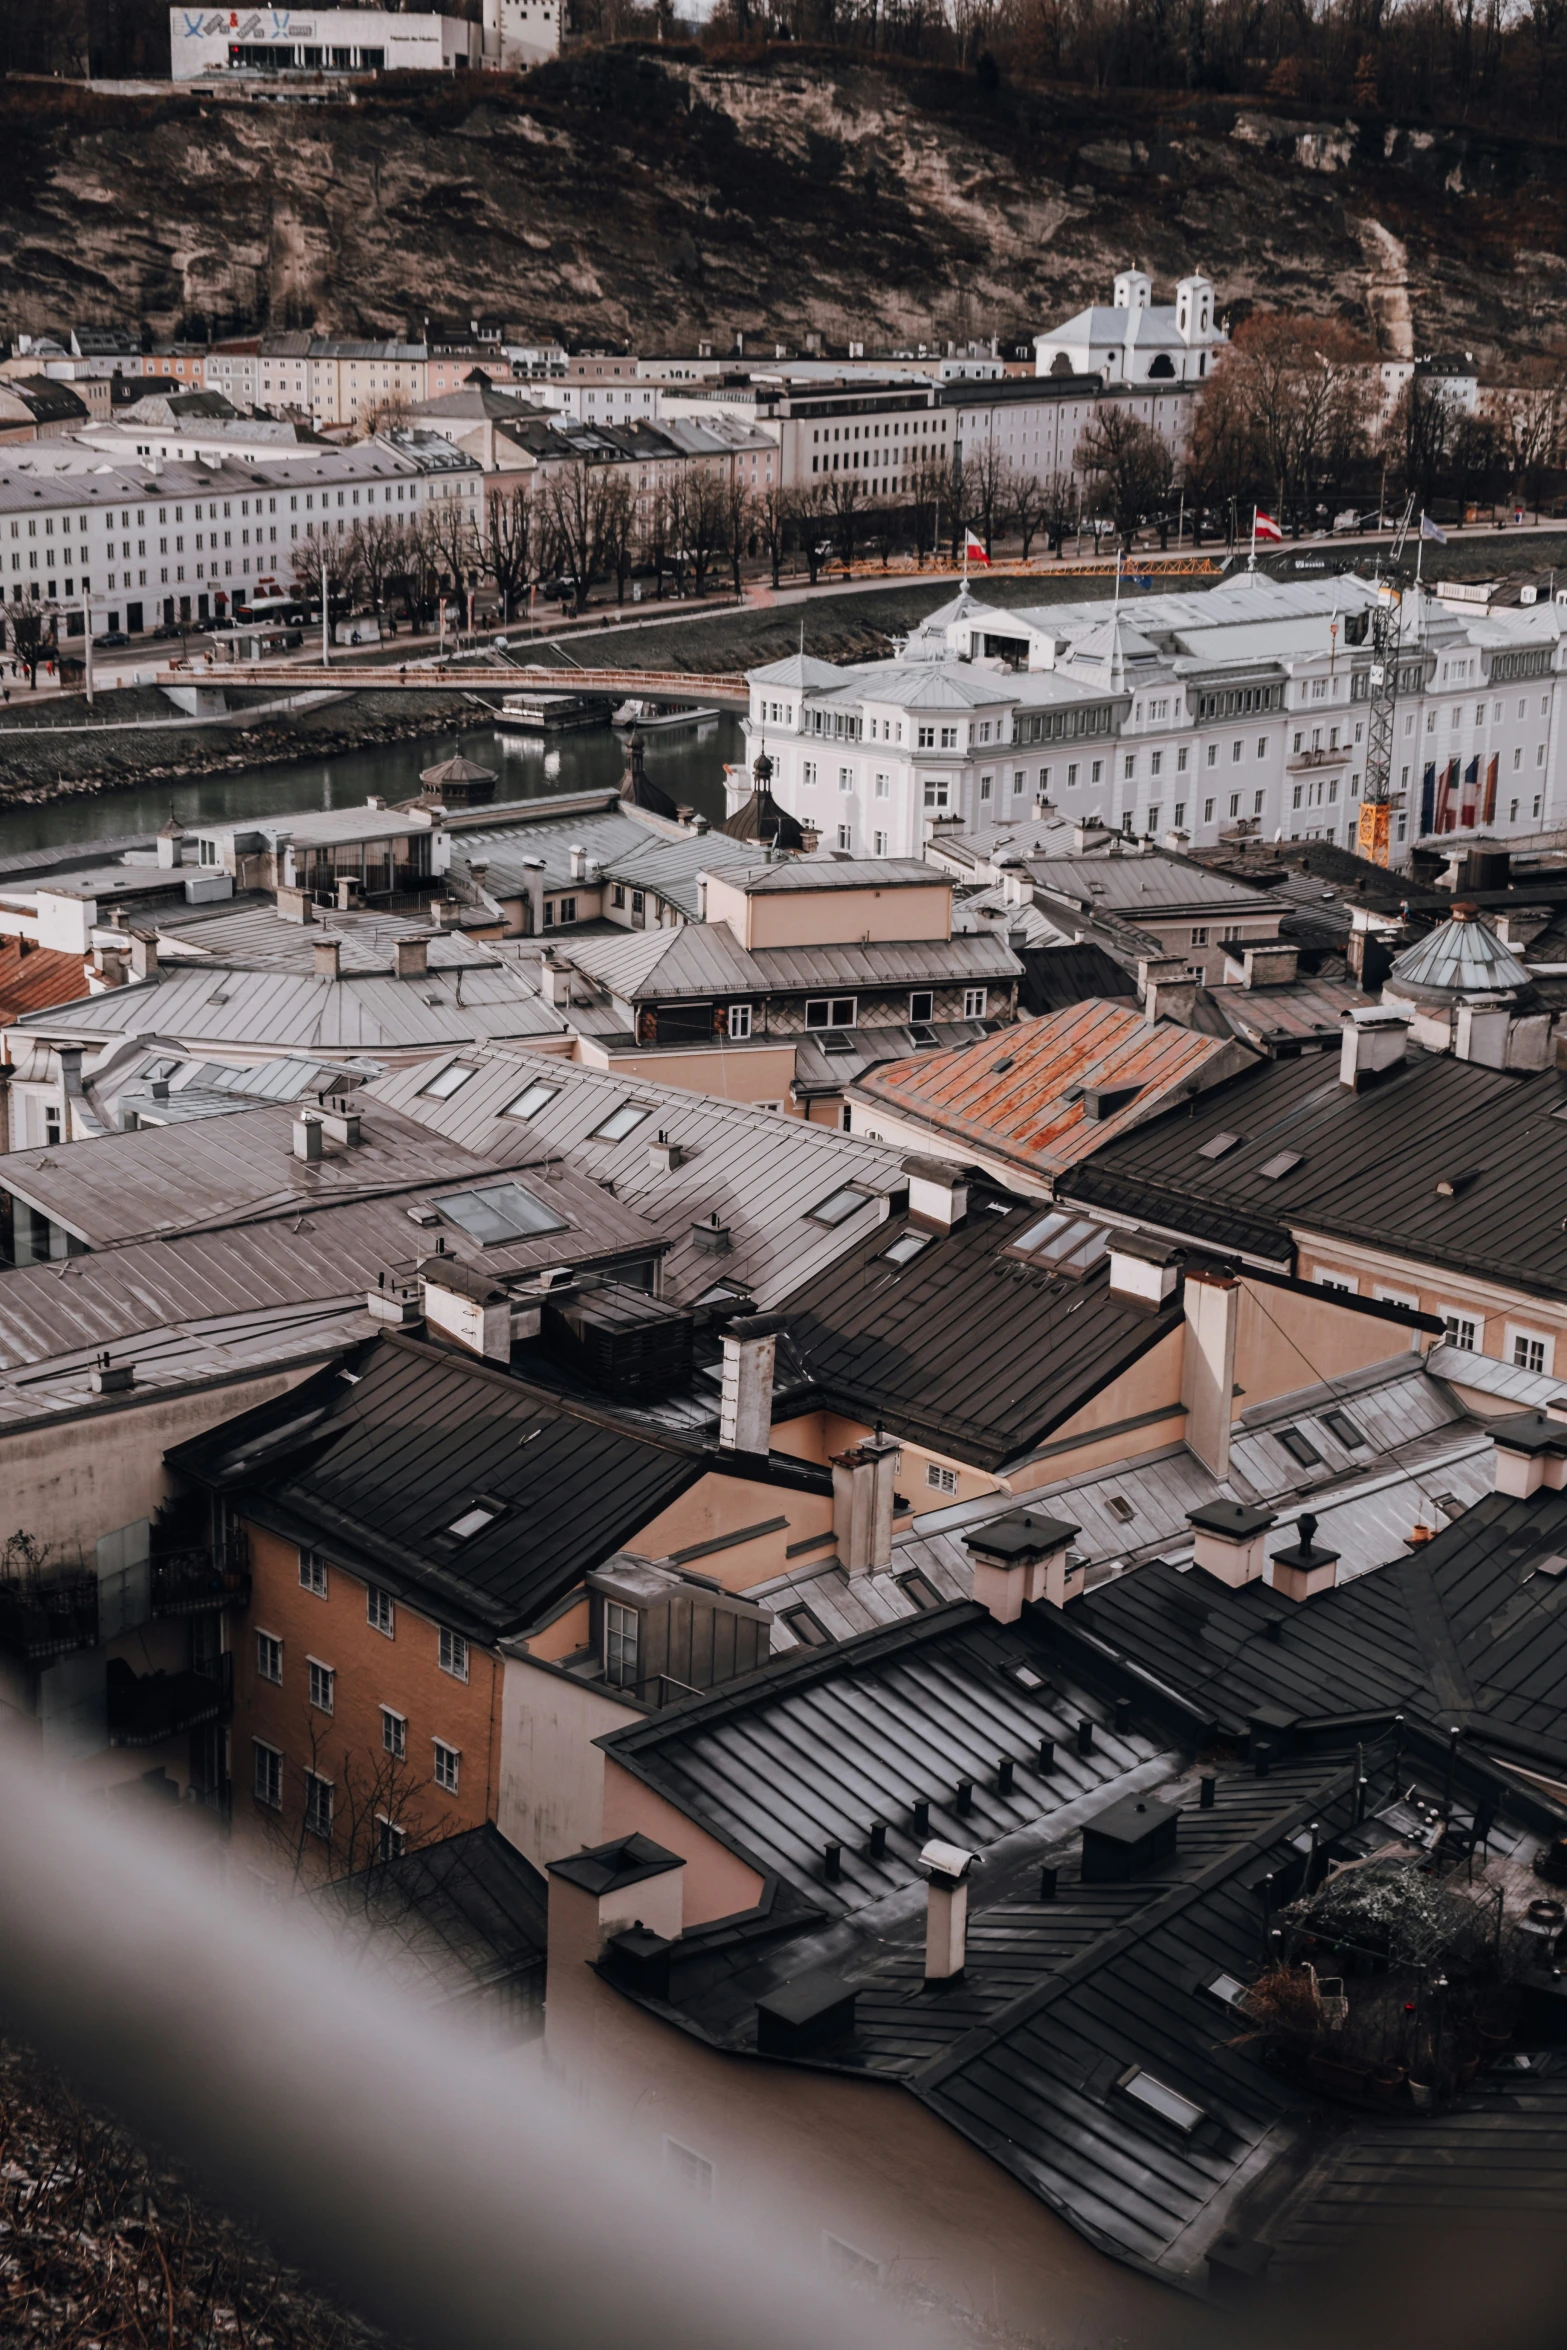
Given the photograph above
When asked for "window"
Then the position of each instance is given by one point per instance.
(1344, 1283)
(1528, 1351)
(1207, 811)
(530, 1102)
(925, 738)
(739, 1023)
(830, 1011)
(807, 1630)
(940, 1480)
(906, 1248)
(269, 1658)
(691, 2172)
(937, 791)
(621, 1121)
(452, 1654)
(445, 1082)
(322, 1683)
(447, 1766)
(622, 1642)
(1200, 936)
(839, 1205)
(1170, 2106)
(1064, 1242)
(394, 1734)
(380, 1614)
(846, 779)
(267, 1783)
(312, 1573)
(1462, 1331)
(1217, 1146)
(845, 836)
(1228, 1991)
(391, 1841)
(1274, 1169)
(1299, 1447)
(501, 1212)
(318, 1804)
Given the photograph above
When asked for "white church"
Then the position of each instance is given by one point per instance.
(1135, 340)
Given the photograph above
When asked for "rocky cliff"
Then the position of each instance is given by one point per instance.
(663, 196)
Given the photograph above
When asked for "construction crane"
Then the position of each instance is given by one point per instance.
(1374, 832)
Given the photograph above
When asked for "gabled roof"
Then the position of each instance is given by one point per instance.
(1019, 1097)
(33, 977)
(449, 1922)
(697, 959)
(375, 1474)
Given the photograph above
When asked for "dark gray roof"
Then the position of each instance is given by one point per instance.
(1368, 1166)
(1054, 977)
(968, 1346)
(456, 1921)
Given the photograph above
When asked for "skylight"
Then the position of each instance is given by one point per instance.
(1227, 1990)
(445, 1082)
(923, 1593)
(839, 1205)
(1159, 2098)
(1067, 1244)
(529, 1103)
(1216, 1148)
(805, 1627)
(474, 1520)
(905, 1248)
(502, 1211)
(1299, 1446)
(1279, 1165)
(622, 1120)
(1340, 1424)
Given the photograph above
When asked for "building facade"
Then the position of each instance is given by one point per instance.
(1134, 340)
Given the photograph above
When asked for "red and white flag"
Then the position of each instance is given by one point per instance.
(1264, 526)
(973, 549)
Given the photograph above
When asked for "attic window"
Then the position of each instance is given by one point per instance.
(503, 1211)
(1216, 1148)
(924, 1037)
(905, 1248)
(1119, 1508)
(1159, 2098)
(479, 1515)
(1340, 1425)
(805, 1627)
(1227, 1990)
(1273, 1168)
(922, 1592)
(445, 1083)
(622, 1120)
(839, 1205)
(1067, 1244)
(529, 1103)
(1299, 1447)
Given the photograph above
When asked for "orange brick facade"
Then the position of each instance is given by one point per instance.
(372, 1671)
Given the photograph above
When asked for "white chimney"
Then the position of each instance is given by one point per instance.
(578, 856)
(144, 954)
(342, 1125)
(938, 1193)
(1023, 1557)
(307, 1137)
(468, 1307)
(864, 1481)
(327, 953)
(1375, 1039)
(413, 958)
(1227, 1540)
(1142, 1272)
(1531, 1451)
(533, 867)
(557, 978)
(745, 1414)
(1480, 1027)
(947, 1867)
(1305, 1567)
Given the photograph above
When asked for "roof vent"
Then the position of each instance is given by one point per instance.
(803, 2016)
(1307, 1566)
(1129, 1839)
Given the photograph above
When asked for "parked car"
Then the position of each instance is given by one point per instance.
(168, 634)
(110, 641)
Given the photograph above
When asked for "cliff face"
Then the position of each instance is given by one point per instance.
(621, 194)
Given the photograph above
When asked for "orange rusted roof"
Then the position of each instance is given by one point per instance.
(37, 978)
(1048, 1092)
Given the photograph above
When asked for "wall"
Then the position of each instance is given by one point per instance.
(1500, 1315)
(1285, 1341)
(718, 1505)
(736, 1073)
(828, 917)
(371, 1671)
(551, 1793)
(1132, 1414)
(717, 1884)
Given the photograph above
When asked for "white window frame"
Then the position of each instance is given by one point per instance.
(976, 1001)
(262, 1747)
(1329, 1277)
(380, 1611)
(927, 997)
(1454, 1321)
(1521, 1332)
(315, 1781)
(446, 1766)
(451, 1653)
(264, 1642)
(1397, 1297)
(313, 1574)
(321, 1685)
(940, 1479)
(394, 1733)
(739, 1023)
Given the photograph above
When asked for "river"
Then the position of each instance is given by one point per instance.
(690, 767)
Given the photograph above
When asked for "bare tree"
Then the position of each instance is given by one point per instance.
(32, 638)
(774, 511)
(378, 555)
(617, 527)
(988, 488)
(572, 510)
(453, 539)
(846, 502)
(807, 512)
(739, 522)
(511, 549)
(1130, 466)
(930, 500)
(698, 516)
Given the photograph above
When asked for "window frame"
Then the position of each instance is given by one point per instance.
(546, 1094)
(452, 1654)
(633, 1113)
(265, 1641)
(831, 1004)
(312, 1566)
(263, 1747)
(377, 1603)
(394, 1733)
(446, 1774)
(321, 1687)
(315, 1781)
(939, 1478)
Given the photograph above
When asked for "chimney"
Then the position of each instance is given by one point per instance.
(1307, 1567)
(413, 958)
(745, 1414)
(109, 965)
(1227, 1540)
(1212, 1302)
(106, 1378)
(1022, 1557)
(343, 1125)
(467, 1307)
(171, 845)
(557, 978)
(533, 867)
(947, 1868)
(1168, 990)
(307, 1137)
(1142, 1272)
(578, 857)
(295, 905)
(1531, 1451)
(1271, 965)
(863, 1483)
(938, 1193)
(144, 954)
(1128, 1839)
(607, 1890)
(664, 1156)
(1480, 1029)
(1375, 1038)
(327, 953)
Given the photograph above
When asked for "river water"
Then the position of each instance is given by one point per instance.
(690, 767)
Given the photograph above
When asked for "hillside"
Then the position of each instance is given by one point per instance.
(619, 193)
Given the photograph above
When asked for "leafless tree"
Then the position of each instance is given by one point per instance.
(846, 504)
(511, 551)
(774, 512)
(988, 488)
(378, 555)
(808, 514)
(739, 523)
(1130, 466)
(930, 501)
(617, 527)
(573, 513)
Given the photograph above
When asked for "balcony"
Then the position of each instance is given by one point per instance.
(146, 1709)
(191, 1582)
(1309, 762)
(44, 1615)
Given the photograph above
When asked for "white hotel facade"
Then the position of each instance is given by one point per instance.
(1185, 713)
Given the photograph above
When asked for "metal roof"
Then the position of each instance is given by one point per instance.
(34, 977)
(1151, 882)
(1019, 1097)
(1460, 957)
(448, 1920)
(700, 958)
(758, 1173)
(253, 936)
(796, 875)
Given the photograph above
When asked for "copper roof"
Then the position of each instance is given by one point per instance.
(33, 978)
(1048, 1092)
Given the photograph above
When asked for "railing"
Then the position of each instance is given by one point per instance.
(43, 1617)
(145, 1711)
(189, 1582)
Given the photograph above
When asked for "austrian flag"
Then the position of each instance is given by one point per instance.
(973, 549)
(1264, 526)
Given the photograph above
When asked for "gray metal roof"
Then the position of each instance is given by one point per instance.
(792, 876)
(250, 934)
(699, 959)
(1153, 882)
(1461, 957)
(758, 1172)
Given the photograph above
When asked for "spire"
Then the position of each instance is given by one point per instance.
(635, 787)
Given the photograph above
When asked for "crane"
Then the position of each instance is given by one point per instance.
(1374, 832)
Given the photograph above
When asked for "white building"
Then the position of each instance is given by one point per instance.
(1135, 340)
(206, 41)
(1191, 714)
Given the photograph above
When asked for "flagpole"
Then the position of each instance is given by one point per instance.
(1251, 564)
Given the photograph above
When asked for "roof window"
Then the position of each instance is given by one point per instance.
(624, 1119)
(1148, 2090)
(445, 1082)
(480, 1514)
(1120, 1508)
(1217, 1146)
(1279, 1165)
(1228, 1991)
(1299, 1447)
(807, 1630)
(502, 1211)
(906, 1248)
(1340, 1424)
(839, 1205)
(1067, 1244)
(919, 1589)
(531, 1101)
